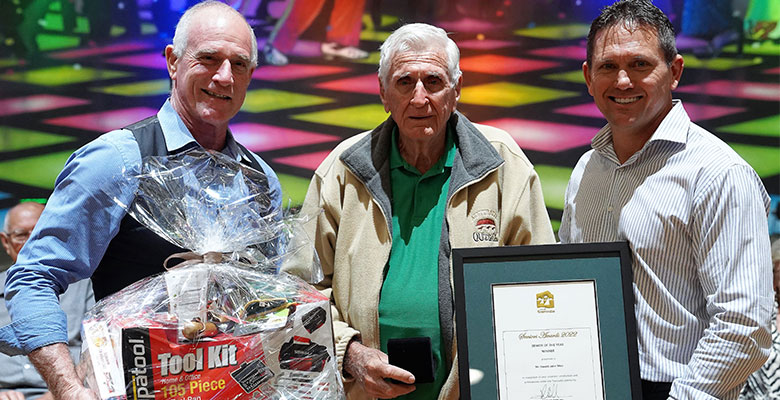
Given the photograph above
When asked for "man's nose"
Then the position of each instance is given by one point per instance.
(623, 81)
(224, 74)
(419, 95)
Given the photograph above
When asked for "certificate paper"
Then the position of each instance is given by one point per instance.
(547, 341)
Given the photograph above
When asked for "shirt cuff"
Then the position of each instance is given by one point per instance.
(680, 391)
(32, 332)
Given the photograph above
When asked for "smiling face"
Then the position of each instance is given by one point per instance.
(630, 81)
(211, 77)
(419, 95)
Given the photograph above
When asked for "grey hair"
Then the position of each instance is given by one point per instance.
(181, 36)
(419, 37)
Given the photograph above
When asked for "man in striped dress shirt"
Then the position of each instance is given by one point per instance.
(694, 213)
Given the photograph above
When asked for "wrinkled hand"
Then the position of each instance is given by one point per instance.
(56, 367)
(78, 393)
(11, 395)
(370, 368)
(46, 396)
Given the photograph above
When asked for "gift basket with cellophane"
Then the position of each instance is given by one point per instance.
(224, 323)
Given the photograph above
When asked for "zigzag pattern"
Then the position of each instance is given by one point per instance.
(765, 383)
(523, 78)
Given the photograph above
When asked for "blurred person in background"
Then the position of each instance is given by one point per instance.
(765, 383)
(19, 380)
(342, 34)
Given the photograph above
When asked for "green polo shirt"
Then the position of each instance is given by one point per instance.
(409, 302)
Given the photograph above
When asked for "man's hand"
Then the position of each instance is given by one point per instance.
(77, 393)
(11, 395)
(370, 368)
(54, 364)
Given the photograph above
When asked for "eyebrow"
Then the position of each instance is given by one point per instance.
(427, 75)
(206, 52)
(211, 52)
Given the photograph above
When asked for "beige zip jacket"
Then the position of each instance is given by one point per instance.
(494, 199)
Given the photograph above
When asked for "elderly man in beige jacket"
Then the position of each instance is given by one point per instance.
(392, 202)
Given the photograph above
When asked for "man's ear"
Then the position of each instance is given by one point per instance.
(458, 86)
(677, 69)
(170, 61)
(382, 95)
(6, 242)
(586, 74)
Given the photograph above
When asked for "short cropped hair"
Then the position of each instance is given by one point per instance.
(419, 37)
(181, 36)
(17, 208)
(634, 14)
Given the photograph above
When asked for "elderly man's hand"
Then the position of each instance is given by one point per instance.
(11, 395)
(370, 368)
(78, 393)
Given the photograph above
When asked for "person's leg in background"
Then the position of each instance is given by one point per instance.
(297, 17)
(343, 32)
(30, 27)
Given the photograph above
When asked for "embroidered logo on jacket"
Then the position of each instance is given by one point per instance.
(485, 228)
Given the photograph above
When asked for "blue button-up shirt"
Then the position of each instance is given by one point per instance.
(78, 223)
(18, 373)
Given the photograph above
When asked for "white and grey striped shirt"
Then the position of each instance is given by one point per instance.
(764, 384)
(695, 215)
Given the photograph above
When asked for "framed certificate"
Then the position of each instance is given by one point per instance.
(550, 322)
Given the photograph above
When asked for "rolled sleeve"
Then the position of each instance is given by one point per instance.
(69, 240)
(48, 325)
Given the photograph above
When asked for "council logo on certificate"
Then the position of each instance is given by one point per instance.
(547, 341)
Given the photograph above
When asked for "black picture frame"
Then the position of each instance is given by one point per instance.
(477, 270)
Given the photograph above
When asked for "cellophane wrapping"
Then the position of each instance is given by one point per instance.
(226, 323)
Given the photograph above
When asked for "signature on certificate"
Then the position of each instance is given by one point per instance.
(548, 392)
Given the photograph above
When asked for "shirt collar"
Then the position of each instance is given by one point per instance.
(397, 161)
(178, 136)
(669, 129)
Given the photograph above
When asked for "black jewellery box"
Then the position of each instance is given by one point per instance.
(414, 355)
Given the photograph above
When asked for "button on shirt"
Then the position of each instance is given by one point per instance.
(695, 215)
(79, 221)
